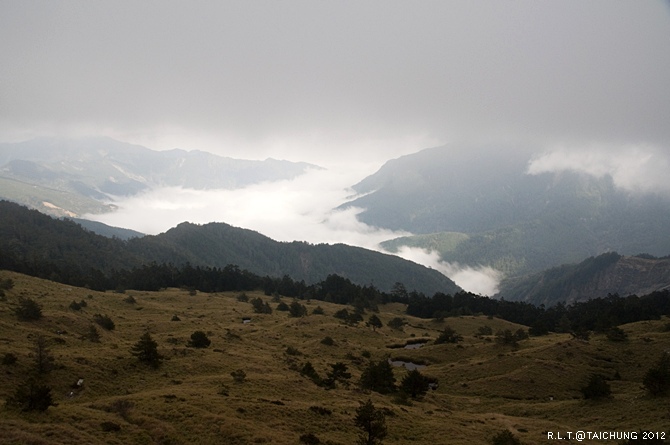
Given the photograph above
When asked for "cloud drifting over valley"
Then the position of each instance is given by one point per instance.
(297, 209)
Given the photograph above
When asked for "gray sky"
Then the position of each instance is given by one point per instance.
(323, 81)
(344, 84)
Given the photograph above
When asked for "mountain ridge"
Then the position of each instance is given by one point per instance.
(31, 238)
(491, 212)
(89, 173)
(594, 277)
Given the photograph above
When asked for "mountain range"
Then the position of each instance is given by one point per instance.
(487, 210)
(38, 241)
(71, 177)
(553, 236)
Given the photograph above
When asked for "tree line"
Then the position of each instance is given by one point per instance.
(599, 314)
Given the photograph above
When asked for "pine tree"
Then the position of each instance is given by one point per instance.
(378, 377)
(372, 422)
(146, 351)
(414, 384)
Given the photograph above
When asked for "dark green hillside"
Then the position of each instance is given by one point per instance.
(108, 231)
(218, 244)
(39, 243)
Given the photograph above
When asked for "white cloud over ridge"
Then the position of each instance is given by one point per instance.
(297, 209)
(638, 169)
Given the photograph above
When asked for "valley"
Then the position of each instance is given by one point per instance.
(484, 386)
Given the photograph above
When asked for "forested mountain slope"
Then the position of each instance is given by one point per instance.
(595, 277)
(31, 238)
(486, 210)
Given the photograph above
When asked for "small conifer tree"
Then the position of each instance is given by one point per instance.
(372, 423)
(146, 351)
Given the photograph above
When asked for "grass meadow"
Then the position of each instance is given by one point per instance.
(192, 398)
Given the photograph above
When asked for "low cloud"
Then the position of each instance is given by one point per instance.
(298, 209)
(482, 280)
(639, 169)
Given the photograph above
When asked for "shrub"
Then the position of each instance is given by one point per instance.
(657, 378)
(104, 321)
(43, 357)
(448, 335)
(397, 323)
(175, 318)
(318, 311)
(309, 372)
(28, 310)
(506, 338)
(290, 350)
(320, 410)
(581, 334)
(242, 297)
(297, 310)
(521, 334)
(309, 439)
(31, 397)
(9, 359)
(199, 340)
(328, 341)
(130, 299)
(261, 307)
(282, 307)
(484, 330)
(122, 407)
(239, 376)
(93, 334)
(75, 306)
(109, 427)
(596, 388)
(617, 334)
(342, 314)
(505, 438)
(7, 284)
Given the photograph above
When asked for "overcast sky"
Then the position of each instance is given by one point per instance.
(346, 85)
(323, 81)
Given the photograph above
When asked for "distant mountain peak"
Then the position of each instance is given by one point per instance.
(88, 172)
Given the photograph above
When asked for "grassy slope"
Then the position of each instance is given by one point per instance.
(192, 399)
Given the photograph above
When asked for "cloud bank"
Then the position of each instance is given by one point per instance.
(482, 280)
(297, 209)
(637, 169)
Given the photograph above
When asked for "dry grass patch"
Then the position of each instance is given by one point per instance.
(192, 398)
